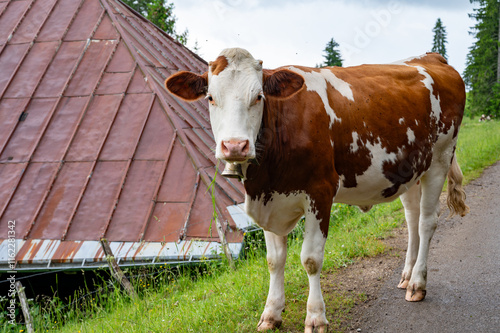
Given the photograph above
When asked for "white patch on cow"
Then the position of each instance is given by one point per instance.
(416, 122)
(411, 135)
(341, 86)
(380, 153)
(354, 144)
(280, 213)
(316, 82)
(369, 184)
(442, 151)
(400, 150)
(428, 81)
(404, 61)
(401, 121)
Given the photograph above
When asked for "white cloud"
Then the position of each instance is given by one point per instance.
(296, 32)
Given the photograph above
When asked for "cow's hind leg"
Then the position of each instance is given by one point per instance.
(276, 258)
(411, 203)
(312, 260)
(432, 184)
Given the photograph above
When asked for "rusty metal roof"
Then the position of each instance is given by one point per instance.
(92, 146)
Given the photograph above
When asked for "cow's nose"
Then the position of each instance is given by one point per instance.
(235, 150)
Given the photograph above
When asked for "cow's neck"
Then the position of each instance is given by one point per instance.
(266, 174)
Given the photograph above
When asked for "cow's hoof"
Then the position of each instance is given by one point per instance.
(413, 295)
(318, 329)
(268, 324)
(403, 284)
(319, 325)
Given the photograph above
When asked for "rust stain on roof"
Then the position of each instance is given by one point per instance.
(91, 144)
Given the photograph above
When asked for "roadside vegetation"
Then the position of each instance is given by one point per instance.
(478, 146)
(211, 297)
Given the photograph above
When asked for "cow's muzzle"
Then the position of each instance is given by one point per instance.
(235, 150)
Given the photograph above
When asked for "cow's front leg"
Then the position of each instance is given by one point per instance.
(312, 260)
(276, 258)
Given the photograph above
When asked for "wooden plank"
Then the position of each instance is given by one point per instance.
(24, 305)
(116, 270)
(183, 231)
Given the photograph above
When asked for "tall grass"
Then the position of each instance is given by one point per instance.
(212, 297)
(478, 146)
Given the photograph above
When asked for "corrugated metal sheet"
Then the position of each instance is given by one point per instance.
(92, 146)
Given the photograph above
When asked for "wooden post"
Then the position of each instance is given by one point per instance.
(24, 306)
(223, 242)
(116, 270)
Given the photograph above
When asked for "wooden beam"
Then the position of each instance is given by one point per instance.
(116, 271)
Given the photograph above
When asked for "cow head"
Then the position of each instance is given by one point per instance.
(235, 87)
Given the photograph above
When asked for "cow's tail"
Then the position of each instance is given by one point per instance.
(456, 193)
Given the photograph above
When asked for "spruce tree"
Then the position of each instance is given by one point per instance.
(332, 54)
(439, 43)
(481, 74)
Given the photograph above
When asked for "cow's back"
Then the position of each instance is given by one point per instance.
(385, 122)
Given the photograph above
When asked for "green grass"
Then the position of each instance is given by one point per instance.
(478, 146)
(214, 298)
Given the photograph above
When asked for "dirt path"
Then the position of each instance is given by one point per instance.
(463, 291)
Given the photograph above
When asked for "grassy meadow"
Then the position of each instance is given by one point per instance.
(478, 146)
(211, 297)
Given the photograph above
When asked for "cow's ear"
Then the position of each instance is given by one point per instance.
(188, 86)
(282, 83)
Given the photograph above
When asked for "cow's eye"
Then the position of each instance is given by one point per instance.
(210, 99)
(259, 98)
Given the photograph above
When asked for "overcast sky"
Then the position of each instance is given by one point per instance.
(295, 32)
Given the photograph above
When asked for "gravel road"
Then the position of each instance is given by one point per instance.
(463, 289)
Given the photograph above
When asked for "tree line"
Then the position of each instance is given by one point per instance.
(482, 73)
(481, 76)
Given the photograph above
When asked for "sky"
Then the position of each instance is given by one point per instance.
(295, 32)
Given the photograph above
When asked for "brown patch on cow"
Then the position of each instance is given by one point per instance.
(218, 65)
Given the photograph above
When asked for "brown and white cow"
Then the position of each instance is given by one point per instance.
(309, 137)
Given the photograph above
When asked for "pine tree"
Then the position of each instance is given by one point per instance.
(332, 54)
(440, 41)
(481, 74)
(160, 13)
